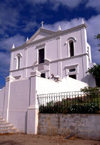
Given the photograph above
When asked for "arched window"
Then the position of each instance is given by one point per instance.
(18, 61)
(71, 45)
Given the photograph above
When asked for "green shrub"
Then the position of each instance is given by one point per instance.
(91, 91)
(53, 109)
(88, 108)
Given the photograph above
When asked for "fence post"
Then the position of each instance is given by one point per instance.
(32, 113)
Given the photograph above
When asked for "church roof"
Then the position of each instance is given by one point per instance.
(49, 34)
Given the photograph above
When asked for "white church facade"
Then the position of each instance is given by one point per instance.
(64, 55)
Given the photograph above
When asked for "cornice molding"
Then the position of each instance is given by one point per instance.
(56, 34)
(46, 63)
(73, 65)
(38, 31)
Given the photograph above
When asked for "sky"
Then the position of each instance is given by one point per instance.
(20, 19)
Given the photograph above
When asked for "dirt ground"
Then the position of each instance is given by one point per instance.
(23, 139)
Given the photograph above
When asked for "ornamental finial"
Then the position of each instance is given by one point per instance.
(42, 23)
(82, 21)
(27, 39)
(13, 46)
(59, 28)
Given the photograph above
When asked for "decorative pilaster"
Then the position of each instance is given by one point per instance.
(32, 113)
(8, 79)
(59, 56)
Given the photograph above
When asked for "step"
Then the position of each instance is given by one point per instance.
(5, 124)
(14, 130)
(6, 127)
(2, 119)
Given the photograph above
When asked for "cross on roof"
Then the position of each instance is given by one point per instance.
(42, 23)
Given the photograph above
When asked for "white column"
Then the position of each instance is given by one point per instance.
(9, 79)
(32, 113)
(25, 61)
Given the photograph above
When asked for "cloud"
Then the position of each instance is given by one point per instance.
(64, 24)
(37, 1)
(94, 4)
(56, 3)
(7, 43)
(30, 26)
(8, 17)
(92, 30)
(69, 3)
(4, 56)
(5, 46)
(4, 63)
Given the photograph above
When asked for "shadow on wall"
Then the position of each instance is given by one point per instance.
(26, 122)
(89, 80)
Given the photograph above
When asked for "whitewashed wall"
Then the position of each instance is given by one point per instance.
(20, 97)
(67, 84)
(2, 99)
(19, 103)
(57, 52)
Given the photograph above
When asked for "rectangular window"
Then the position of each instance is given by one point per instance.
(43, 75)
(41, 55)
(72, 70)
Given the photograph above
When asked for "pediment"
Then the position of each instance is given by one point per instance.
(41, 33)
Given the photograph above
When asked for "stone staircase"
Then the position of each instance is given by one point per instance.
(6, 127)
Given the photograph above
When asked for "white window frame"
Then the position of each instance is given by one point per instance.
(73, 39)
(76, 72)
(43, 46)
(19, 55)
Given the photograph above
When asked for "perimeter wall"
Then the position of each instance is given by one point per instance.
(18, 99)
(86, 126)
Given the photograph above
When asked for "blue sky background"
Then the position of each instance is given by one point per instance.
(20, 19)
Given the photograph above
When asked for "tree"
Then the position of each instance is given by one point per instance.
(97, 37)
(95, 71)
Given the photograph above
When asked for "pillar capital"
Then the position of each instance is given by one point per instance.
(9, 78)
(35, 73)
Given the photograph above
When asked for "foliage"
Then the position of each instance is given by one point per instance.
(88, 108)
(53, 109)
(50, 103)
(95, 71)
(87, 103)
(97, 37)
(91, 91)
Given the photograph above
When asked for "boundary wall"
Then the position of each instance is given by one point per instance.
(19, 103)
(86, 126)
(2, 99)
